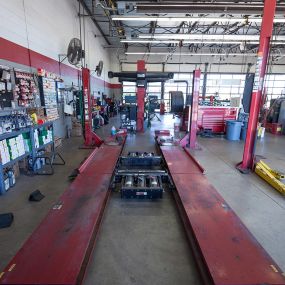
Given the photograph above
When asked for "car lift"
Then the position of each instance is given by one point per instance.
(91, 138)
(58, 251)
(141, 77)
(190, 139)
(247, 163)
(141, 175)
(225, 251)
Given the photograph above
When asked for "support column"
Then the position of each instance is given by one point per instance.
(91, 139)
(194, 108)
(141, 86)
(190, 139)
(162, 89)
(204, 90)
(261, 64)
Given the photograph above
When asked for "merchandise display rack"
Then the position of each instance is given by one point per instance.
(32, 153)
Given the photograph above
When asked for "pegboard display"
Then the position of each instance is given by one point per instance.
(6, 93)
(48, 94)
(25, 89)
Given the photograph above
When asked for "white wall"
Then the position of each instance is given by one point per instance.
(47, 27)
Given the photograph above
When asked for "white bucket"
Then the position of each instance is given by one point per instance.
(176, 127)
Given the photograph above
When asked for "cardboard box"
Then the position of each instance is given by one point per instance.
(24, 164)
(76, 132)
(16, 169)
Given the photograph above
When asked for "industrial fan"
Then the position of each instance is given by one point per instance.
(74, 51)
(99, 68)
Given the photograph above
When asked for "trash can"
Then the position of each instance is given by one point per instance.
(243, 131)
(233, 130)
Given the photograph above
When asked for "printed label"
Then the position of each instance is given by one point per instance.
(141, 193)
(258, 80)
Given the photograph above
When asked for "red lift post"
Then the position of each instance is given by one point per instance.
(190, 140)
(91, 138)
(194, 108)
(262, 58)
(140, 94)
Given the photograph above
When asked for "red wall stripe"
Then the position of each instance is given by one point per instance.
(16, 53)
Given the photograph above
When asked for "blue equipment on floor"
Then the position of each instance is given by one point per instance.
(233, 130)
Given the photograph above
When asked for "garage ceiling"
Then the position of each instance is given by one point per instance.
(178, 28)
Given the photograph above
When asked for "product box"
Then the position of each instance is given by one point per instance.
(23, 164)
(76, 130)
(28, 145)
(16, 170)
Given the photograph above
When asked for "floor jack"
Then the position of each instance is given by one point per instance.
(273, 177)
(141, 175)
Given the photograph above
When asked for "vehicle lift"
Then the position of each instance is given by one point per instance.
(141, 77)
(91, 139)
(226, 253)
(190, 139)
(248, 160)
(141, 175)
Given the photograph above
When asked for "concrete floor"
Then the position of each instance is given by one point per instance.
(143, 242)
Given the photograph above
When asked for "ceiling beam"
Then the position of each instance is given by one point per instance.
(86, 8)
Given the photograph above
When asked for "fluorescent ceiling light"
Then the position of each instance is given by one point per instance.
(272, 43)
(231, 42)
(191, 54)
(204, 37)
(162, 41)
(191, 19)
(213, 42)
(150, 41)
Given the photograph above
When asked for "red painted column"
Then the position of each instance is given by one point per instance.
(91, 139)
(140, 98)
(262, 58)
(87, 107)
(194, 109)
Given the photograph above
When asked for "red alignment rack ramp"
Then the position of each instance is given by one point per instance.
(59, 249)
(230, 253)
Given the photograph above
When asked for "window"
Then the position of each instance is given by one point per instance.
(275, 86)
(129, 87)
(225, 86)
(154, 88)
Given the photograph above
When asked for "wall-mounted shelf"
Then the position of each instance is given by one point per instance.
(32, 154)
(11, 162)
(14, 134)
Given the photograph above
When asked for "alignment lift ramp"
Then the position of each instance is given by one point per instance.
(141, 175)
(58, 251)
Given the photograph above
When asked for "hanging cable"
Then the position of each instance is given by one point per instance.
(179, 64)
(80, 29)
(27, 37)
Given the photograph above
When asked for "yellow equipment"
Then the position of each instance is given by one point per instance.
(273, 177)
